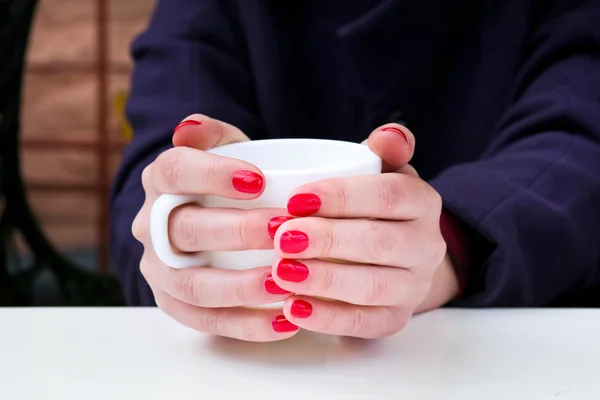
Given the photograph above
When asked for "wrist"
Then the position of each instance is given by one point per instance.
(460, 243)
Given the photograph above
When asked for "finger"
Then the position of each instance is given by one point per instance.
(191, 171)
(215, 288)
(387, 243)
(193, 228)
(236, 323)
(342, 319)
(387, 196)
(394, 143)
(201, 132)
(147, 179)
(351, 283)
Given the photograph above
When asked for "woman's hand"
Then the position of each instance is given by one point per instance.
(207, 299)
(370, 245)
(400, 250)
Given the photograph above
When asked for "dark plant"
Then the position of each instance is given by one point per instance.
(78, 287)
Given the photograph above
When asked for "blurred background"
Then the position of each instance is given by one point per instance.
(72, 130)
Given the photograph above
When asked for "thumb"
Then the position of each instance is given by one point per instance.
(394, 143)
(201, 132)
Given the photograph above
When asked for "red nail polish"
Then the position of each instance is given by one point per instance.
(301, 309)
(272, 287)
(304, 204)
(398, 131)
(189, 122)
(275, 223)
(281, 325)
(293, 242)
(247, 182)
(292, 270)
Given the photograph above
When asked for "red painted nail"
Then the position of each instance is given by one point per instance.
(292, 270)
(293, 242)
(398, 131)
(304, 204)
(301, 309)
(281, 325)
(275, 223)
(272, 287)
(247, 182)
(189, 122)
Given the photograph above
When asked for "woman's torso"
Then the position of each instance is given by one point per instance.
(338, 69)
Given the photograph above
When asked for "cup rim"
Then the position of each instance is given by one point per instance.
(369, 159)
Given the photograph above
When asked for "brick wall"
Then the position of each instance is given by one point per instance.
(59, 103)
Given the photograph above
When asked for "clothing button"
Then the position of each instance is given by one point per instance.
(396, 117)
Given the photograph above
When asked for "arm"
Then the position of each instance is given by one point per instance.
(189, 60)
(535, 194)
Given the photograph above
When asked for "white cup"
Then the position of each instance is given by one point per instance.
(286, 164)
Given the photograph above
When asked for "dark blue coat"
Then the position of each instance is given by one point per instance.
(503, 97)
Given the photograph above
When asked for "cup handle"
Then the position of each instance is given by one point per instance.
(159, 232)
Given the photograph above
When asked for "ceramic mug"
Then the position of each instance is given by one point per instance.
(286, 164)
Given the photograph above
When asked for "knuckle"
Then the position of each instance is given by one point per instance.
(139, 227)
(170, 165)
(399, 321)
(395, 325)
(358, 321)
(187, 232)
(189, 289)
(389, 194)
(329, 321)
(433, 249)
(211, 171)
(161, 302)
(248, 329)
(378, 288)
(440, 252)
(145, 267)
(146, 176)
(436, 198)
(328, 280)
(239, 230)
(331, 238)
(378, 245)
(341, 197)
(213, 321)
(241, 291)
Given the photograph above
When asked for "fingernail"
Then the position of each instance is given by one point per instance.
(281, 324)
(304, 204)
(301, 309)
(398, 131)
(293, 242)
(189, 122)
(275, 223)
(247, 182)
(292, 270)
(272, 287)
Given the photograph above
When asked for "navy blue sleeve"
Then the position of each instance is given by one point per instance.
(535, 194)
(189, 60)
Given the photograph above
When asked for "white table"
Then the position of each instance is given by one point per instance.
(88, 354)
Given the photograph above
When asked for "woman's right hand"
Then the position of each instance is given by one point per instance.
(206, 299)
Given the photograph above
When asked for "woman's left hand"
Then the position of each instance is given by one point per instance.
(384, 232)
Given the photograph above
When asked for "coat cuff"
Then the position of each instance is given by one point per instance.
(463, 250)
